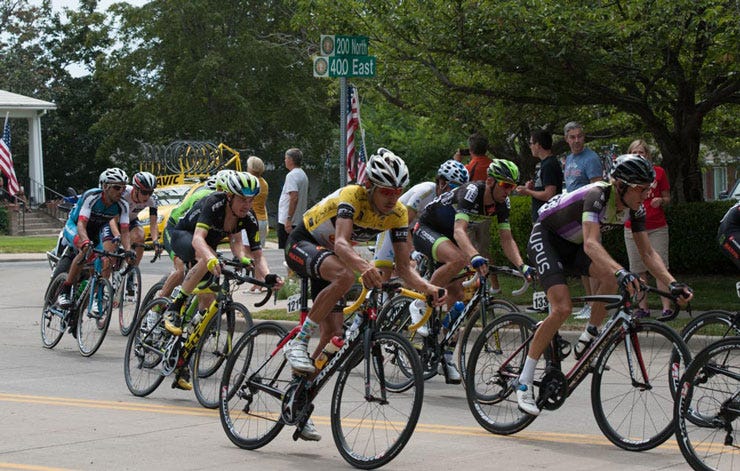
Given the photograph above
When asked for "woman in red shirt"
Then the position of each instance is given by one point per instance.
(655, 223)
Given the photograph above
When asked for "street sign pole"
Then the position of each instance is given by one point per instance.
(342, 132)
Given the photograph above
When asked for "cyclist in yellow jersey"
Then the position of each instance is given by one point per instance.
(321, 248)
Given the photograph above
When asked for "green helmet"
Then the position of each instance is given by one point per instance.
(503, 171)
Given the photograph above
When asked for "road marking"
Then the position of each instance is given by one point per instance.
(30, 467)
(460, 430)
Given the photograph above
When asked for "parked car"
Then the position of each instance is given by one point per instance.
(734, 193)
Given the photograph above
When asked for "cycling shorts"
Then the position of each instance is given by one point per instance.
(555, 258)
(426, 240)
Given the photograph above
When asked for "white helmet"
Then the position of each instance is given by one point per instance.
(113, 175)
(210, 184)
(454, 172)
(387, 169)
(144, 181)
(241, 183)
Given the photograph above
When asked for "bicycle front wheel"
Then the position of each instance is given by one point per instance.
(254, 381)
(475, 323)
(214, 348)
(634, 385)
(371, 424)
(52, 318)
(708, 328)
(708, 408)
(492, 367)
(395, 317)
(94, 316)
(145, 349)
(151, 294)
(128, 300)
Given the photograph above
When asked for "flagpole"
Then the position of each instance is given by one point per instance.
(342, 132)
(362, 136)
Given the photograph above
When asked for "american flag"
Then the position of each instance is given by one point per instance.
(355, 146)
(6, 160)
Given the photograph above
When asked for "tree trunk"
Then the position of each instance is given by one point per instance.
(680, 151)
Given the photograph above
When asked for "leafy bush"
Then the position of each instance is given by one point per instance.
(4, 221)
(692, 228)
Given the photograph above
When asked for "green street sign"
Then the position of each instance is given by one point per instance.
(341, 45)
(344, 66)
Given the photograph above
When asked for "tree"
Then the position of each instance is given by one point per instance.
(232, 70)
(667, 64)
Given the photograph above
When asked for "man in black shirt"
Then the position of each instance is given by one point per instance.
(548, 181)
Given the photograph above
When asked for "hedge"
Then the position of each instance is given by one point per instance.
(4, 221)
(692, 228)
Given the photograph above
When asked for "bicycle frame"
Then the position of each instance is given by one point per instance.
(314, 385)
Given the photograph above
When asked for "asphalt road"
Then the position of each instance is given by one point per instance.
(59, 410)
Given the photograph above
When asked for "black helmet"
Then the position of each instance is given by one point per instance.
(633, 169)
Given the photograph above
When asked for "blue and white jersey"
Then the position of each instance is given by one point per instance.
(92, 209)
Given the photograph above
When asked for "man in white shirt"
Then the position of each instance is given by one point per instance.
(294, 196)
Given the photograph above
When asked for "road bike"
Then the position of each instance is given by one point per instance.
(636, 365)
(126, 283)
(708, 407)
(153, 353)
(371, 424)
(711, 326)
(479, 311)
(88, 316)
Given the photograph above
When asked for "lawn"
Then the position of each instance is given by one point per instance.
(26, 244)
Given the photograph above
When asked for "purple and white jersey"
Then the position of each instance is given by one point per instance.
(565, 214)
(135, 208)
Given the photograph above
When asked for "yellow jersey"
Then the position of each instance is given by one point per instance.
(353, 202)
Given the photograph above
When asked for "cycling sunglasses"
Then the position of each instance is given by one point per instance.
(506, 185)
(390, 192)
(116, 187)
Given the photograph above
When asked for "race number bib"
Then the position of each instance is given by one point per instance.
(539, 301)
(294, 303)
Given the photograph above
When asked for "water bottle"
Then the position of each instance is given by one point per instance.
(196, 319)
(329, 350)
(454, 313)
(355, 324)
(81, 287)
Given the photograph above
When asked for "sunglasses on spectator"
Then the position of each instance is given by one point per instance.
(390, 192)
(506, 185)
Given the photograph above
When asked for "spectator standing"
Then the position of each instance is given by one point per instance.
(548, 179)
(480, 234)
(655, 224)
(256, 167)
(294, 196)
(582, 166)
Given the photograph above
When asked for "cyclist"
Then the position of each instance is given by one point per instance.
(196, 237)
(442, 233)
(450, 175)
(92, 213)
(728, 234)
(177, 275)
(139, 195)
(321, 248)
(566, 240)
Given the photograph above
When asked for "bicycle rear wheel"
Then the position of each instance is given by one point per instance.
(635, 411)
(93, 325)
(52, 318)
(474, 324)
(128, 300)
(254, 380)
(708, 408)
(370, 432)
(709, 328)
(214, 348)
(492, 368)
(145, 349)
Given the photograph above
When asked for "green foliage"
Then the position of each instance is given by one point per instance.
(4, 220)
(693, 237)
(506, 66)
